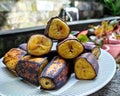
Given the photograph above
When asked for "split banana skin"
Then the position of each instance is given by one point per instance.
(37, 63)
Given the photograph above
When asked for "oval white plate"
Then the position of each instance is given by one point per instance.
(15, 86)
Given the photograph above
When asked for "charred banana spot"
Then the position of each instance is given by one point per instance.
(28, 71)
(63, 76)
(53, 69)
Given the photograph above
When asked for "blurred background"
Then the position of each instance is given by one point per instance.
(16, 14)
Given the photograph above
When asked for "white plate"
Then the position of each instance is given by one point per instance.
(15, 86)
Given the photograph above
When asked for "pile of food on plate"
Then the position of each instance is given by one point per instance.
(39, 64)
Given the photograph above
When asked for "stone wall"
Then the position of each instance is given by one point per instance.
(27, 13)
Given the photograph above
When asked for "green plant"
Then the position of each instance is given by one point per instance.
(113, 6)
(83, 38)
(108, 32)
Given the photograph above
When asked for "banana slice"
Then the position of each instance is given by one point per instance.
(55, 74)
(91, 47)
(30, 67)
(70, 48)
(39, 44)
(86, 67)
(12, 57)
(57, 29)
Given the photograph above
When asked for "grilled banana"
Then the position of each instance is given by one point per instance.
(39, 44)
(86, 67)
(12, 57)
(90, 47)
(29, 68)
(55, 74)
(70, 48)
(57, 29)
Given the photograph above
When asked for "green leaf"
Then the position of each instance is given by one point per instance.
(74, 32)
(83, 38)
(117, 3)
(113, 6)
(113, 22)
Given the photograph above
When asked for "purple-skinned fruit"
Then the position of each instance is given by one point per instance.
(57, 29)
(70, 47)
(86, 67)
(55, 74)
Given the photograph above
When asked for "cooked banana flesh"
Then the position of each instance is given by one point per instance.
(47, 83)
(12, 57)
(57, 29)
(96, 52)
(84, 70)
(70, 49)
(39, 45)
